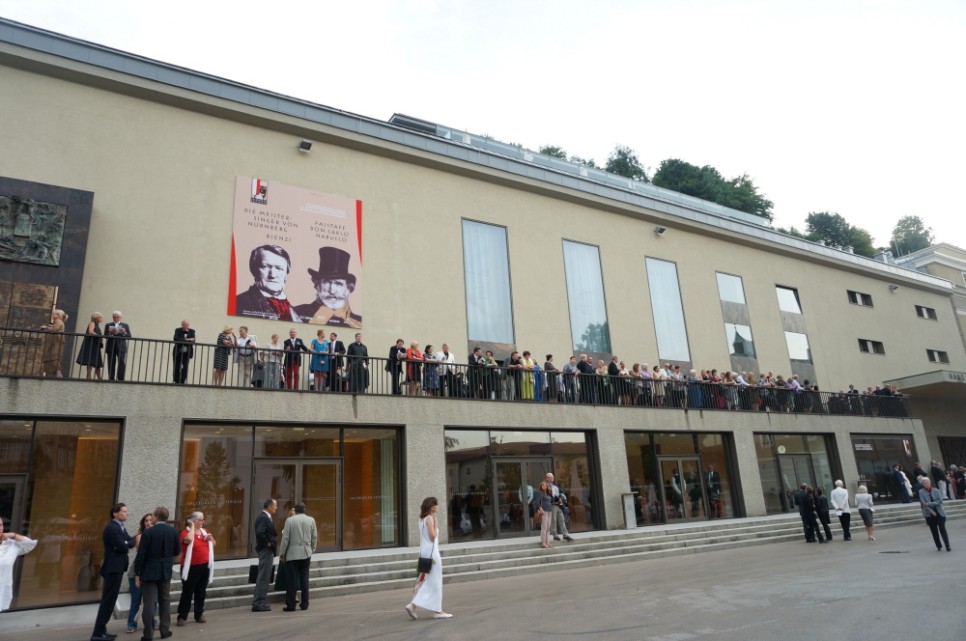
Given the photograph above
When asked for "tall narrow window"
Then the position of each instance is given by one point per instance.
(585, 294)
(788, 299)
(486, 271)
(730, 288)
(798, 349)
(672, 335)
(740, 342)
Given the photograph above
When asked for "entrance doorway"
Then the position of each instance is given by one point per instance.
(516, 481)
(12, 488)
(795, 470)
(684, 494)
(315, 482)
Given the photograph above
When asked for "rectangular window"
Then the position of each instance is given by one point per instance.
(740, 342)
(788, 299)
(798, 349)
(926, 312)
(730, 288)
(858, 298)
(486, 273)
(936, 356)
(585, 295)
(871, 347)
(672, 334)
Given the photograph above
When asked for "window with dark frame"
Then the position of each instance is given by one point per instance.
(937, 356)
(926, 312)
(858, 298)
(868, 346)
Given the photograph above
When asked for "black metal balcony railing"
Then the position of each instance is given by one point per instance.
(33, 353)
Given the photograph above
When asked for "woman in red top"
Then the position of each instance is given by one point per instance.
(197, 567)
(414, 360)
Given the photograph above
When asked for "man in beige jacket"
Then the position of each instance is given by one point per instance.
(300, 536)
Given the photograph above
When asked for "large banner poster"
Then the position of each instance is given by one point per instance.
(296, 255)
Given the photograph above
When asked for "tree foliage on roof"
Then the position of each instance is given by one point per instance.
(833, 229)
(623, 161)
(910, 235)
(707, 183)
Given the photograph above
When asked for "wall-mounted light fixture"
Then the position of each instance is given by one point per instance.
(659, 231)
(893, 288)
(305, 146)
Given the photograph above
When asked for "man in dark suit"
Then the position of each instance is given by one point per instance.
(152, 572)
(265, 547)
(117, 334)
(336, 362)
(358, 355)
(117, 542)
(184, 350)
(293, 358)
(397, 354)
(800, 500)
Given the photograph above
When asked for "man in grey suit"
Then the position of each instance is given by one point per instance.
(300, 536)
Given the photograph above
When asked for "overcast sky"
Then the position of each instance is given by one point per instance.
(849, 106)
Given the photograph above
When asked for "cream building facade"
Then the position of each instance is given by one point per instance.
(156, 153)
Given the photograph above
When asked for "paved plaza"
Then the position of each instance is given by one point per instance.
(896, 587)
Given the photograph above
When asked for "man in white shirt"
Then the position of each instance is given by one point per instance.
(840, 503)
(447, 372)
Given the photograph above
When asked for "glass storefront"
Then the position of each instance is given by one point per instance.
(57, 483)
(680, 476)
(875, 457)
(785, 461)
(491, 476)
(348, 478)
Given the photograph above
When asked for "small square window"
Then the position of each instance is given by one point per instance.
(936, 356)
(871, 347)
(858, 298)
(926, 312)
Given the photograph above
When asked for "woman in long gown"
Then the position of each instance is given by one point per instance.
(429, 591)
(90, 351)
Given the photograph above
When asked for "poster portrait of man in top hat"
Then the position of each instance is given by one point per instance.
(333, 286)
(270, 266)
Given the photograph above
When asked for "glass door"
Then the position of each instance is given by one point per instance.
(516, 481)
(684, 495)
(795, 470)
(315, 482)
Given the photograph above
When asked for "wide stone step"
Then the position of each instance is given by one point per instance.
(341, 573)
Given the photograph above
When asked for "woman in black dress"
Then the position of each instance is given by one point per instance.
(90, 351)
(225, 343)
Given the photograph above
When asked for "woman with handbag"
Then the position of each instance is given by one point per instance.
(932, 509)
(542, 508)
(428, 593)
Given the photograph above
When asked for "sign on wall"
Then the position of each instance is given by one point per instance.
(296, 255)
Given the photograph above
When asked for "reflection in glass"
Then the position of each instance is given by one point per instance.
(798, 349)
(286, 441)
(740, 342)
(672, 335)
(788, 300)
(62, 500)
(585, 295)
(730, 288)
(215, 478)
(370, 491)
(486, 270)
(519, 443)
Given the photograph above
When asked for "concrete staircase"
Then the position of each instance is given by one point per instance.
(340, 573)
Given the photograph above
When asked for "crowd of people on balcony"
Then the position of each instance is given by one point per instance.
(413, 370)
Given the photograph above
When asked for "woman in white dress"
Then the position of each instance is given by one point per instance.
(429, 586)
(12, 545)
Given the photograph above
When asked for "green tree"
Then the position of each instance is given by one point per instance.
(553, 151)
(596, 338)
(835, 230)
(624, 162)
(744, 196)
(910, 235)
(683, 177)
